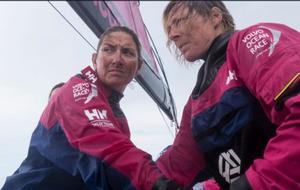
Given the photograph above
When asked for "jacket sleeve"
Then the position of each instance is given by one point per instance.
(182, 161)
(94, 146)
(266, 58)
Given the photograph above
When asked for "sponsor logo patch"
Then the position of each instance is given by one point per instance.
(261, 40)
(91, 76)
(229, 166)
(84, 91)
(80, 90)
(98, 118)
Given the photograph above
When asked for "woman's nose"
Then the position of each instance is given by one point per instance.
(173, 34)
(117, 57)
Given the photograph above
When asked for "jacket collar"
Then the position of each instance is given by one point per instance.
(110, 94)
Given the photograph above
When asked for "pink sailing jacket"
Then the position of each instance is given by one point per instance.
(241, 124)
(83, 142)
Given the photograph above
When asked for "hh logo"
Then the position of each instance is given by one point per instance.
(229, 166)
(96, 114)
(98, 118)
(91, 76)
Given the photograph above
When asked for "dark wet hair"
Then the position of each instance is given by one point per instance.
(55, 87)
(127, 31)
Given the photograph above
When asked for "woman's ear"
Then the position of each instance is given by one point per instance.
(216, 16)
(94, 60)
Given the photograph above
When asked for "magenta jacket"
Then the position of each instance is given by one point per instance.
(241, 124)
(82, 141)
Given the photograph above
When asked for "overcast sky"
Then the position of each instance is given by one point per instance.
(38, 49)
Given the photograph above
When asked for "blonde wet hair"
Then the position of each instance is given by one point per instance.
(202, 8)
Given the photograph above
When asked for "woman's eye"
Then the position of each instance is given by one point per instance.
(176, 23)
(108, 49)
(181, 21)
(129, 52)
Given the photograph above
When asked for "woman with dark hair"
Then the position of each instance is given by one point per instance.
(82, 140)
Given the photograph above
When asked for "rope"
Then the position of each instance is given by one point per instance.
(72, 26)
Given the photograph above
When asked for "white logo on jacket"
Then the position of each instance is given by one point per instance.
(276, 36)
(84, 91)
(229, 166)
(231, 76)
(91, 76)
(259, 40)
(256, 40)
(98, 118)
(80, 90)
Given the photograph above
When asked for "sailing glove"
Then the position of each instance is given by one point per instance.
(166, 184)
(241, 184)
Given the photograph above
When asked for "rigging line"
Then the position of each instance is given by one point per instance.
(72, 26)
(135, 27)
(111, 12)
(95, 48)
(172, 101)
(174, 114)
(164, 75)
(165, 121)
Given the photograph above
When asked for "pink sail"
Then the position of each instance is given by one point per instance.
(128, 14)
